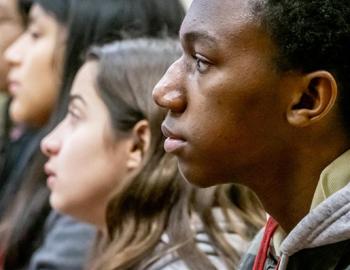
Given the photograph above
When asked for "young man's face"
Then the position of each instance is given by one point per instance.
(225, 98)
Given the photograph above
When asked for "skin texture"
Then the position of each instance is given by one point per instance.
(215, 88)
(85, 164)
(34, 59)
(234, 117)
(10, 28)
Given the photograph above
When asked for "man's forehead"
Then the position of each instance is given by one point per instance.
(213, 16)
(215, 20)
(226, 8)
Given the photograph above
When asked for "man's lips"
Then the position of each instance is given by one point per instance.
(173, 142)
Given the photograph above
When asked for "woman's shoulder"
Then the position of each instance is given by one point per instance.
(66, 244)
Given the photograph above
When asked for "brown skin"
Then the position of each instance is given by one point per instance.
(235, 118)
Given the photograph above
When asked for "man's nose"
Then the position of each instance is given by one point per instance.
(169, 93)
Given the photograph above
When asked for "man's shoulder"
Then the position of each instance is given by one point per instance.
(332, 256)
(326, 257)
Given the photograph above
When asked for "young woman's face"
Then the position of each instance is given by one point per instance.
(86, 162)
(35, 60)
(10, 28)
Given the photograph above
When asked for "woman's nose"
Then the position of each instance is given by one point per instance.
(12, 54)
(169, 93)
(49, 146)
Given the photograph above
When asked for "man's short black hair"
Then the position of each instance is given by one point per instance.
(311, 35)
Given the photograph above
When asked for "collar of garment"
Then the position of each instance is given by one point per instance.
(328, 221)
(333, 178)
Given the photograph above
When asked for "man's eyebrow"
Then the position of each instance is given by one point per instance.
(72, 98)
(195, 36)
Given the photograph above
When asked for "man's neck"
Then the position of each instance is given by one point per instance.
(286, 185)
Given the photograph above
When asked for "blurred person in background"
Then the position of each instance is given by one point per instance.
(12, 24)
(13, 18)
(35, 61)
(63, 30)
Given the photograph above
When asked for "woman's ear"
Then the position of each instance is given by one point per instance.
(141, 139)
(313, 100)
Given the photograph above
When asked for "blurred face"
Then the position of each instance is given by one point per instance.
(85, 161)
(226, 102)
(34, 69)
(10, 28)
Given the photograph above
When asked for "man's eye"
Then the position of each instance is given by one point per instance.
(201, 65)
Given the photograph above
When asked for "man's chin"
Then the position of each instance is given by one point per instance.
(195, 177)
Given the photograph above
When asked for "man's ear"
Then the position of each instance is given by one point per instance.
(314, 99)
(141, 139)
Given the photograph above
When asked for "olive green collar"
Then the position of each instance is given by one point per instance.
(333, 178)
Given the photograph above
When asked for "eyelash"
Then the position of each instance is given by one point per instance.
(73, 116)
(200, 61)
(34, 34)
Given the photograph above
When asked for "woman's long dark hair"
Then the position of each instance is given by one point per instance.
(12, 237)
(89, 22)
(23, 7)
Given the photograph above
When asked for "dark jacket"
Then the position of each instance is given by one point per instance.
(66, 244)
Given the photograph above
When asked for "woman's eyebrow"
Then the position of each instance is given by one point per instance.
(32, 19)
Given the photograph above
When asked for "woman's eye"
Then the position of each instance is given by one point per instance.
(34, 35)
(201, 64)
(73, 116)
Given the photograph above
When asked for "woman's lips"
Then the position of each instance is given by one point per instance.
(173, 142)
(12, 88)
(51, 181)
(51, 176)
